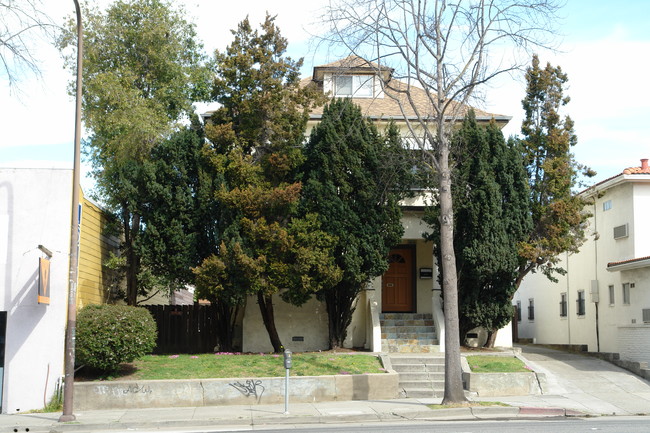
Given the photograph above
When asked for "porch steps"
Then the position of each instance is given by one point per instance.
(408, 333)
(420, 375)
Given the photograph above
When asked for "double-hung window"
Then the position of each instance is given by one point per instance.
(580, 303)
(626, 293)
(357, 86)
(563, 305)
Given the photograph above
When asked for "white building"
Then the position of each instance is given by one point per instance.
(603, 301)
(34, 211)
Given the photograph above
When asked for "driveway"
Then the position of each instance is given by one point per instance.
(583, 383)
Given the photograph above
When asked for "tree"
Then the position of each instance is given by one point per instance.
(21, 21)
(491, 218)
(178, 208)
(443, 49)
(256, 137)
(353, 180)
(558, 217)
(142, 70)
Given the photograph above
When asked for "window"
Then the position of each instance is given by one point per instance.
(563, 305)
(358, 86)
(626, 293)
(646, 315)
(607, 205)
(518, 307)
(611, 295)
(580, 303)
(531, 309)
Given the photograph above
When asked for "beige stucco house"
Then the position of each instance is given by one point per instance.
(603, 301)
(409, 287)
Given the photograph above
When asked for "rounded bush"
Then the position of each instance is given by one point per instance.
(108, 335)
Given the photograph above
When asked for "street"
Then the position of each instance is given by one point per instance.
(573, 425)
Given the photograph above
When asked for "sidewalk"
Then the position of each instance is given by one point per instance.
(583, 383)
(299, 413)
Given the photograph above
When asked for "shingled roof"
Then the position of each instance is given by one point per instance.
(388, 107)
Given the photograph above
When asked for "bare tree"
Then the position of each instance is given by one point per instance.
(21, 22)
(441, 48)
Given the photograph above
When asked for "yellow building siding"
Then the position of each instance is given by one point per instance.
(93, 285)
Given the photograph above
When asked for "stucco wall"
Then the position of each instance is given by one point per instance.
(34, 210)
(308, 321)
(628, 204)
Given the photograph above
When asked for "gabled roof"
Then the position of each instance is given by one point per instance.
(388, 107)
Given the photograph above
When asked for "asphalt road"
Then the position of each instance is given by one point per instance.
(639, 424)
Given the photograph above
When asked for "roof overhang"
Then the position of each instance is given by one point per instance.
(628, 265)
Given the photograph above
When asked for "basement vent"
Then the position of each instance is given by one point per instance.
(620, 232)
(646, 315)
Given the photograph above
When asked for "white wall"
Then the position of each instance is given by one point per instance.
(34, 210)
(308, 321)
(630, 204)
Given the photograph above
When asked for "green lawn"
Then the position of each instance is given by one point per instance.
(496, 364)
(207, 366)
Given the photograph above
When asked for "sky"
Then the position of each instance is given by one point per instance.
(603, 48)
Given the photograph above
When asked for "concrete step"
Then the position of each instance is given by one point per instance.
(405, 316)
(422, 393)
(421, 376)
(410, 348)
(430, 384)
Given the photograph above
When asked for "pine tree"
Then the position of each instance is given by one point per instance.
(491, 220)
(353, 180)
(552, 172)
(256, 137)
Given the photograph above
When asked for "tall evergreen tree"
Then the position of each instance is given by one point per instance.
(353, 180)
(492, 218)
(557, 212)
(142, 70)
(256, 137)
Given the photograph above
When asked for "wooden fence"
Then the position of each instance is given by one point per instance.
(184, 328)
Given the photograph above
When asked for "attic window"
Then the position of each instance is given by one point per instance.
(355, 86)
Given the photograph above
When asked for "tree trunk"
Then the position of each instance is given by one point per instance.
(266, 308)
(131, 226)
(226, 316)
(339, 313)
(453, 374)
(491, 339)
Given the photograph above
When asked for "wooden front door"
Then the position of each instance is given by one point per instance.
(397, 283)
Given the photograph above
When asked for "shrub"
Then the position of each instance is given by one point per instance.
(108, 335)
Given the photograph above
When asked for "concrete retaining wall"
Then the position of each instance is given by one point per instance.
(501, 384)
(214, 392)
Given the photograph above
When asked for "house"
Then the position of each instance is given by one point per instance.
(410, 286)
(603, 301)
(35, 218)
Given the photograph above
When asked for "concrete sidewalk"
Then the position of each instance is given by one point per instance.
(583, 383)
(258, 415)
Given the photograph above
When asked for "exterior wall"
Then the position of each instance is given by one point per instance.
(630, 203)
(641, 194)
(308, 321)
(34, 210)
(94, 247)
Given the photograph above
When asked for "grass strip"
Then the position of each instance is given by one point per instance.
(496, 364)
(230, 365)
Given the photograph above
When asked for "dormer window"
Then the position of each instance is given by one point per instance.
(354, 86)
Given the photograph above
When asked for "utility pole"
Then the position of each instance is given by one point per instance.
(68, 385)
